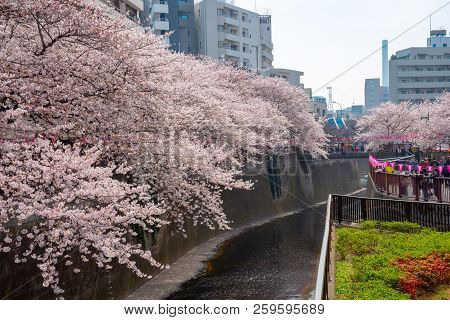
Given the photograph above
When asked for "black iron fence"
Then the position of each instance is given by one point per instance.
(356, 209)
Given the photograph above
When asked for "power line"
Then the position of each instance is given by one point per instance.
(378, 49)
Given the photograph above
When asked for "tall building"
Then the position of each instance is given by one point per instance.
(385, 63)
(418, 74)
(438, 38)
(374, 93)
(175, 16)
(230, 33)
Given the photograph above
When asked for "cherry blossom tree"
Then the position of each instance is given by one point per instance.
(102, 128)
(425, 125)
(388, 124)
(434, 126)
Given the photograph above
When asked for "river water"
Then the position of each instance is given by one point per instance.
(277, 260)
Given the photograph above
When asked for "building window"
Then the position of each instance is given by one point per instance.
(445, 45)
(189, 33)
(434, 45)
(184, 17)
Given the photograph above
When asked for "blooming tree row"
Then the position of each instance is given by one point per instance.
(104, 129)
(425, 125)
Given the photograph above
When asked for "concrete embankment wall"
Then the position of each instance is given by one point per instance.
(282, 185)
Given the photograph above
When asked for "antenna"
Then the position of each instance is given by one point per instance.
(430, 25)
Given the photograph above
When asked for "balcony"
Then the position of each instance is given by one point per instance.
(158, 8)
(267, 42)
(232, 53)
(135, 4)
(160, 25)
(231, 21)
(267, 54)
(232, 37)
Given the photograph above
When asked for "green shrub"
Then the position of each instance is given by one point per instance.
(370, 224)
(377, 290)
(367, 269)
(356, 242)
(404, 227)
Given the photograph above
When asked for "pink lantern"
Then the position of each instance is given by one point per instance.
(440, 169)
(448, 168)
(409, 168)
(429, 168)
(419, 168)
(400, 167)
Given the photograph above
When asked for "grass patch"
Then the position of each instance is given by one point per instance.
(368, 265)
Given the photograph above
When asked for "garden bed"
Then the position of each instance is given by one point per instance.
(392, 260)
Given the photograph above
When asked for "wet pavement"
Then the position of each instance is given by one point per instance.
(277, 260)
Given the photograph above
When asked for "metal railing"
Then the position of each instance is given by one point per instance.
(323, 274)
(356, 209)
(416, 187)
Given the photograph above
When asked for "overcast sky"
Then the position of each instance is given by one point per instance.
(323, 38)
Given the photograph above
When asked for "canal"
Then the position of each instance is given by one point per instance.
(277, 260)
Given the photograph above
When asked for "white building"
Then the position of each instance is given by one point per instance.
(227, 32)
(417, 74)
(291, 76)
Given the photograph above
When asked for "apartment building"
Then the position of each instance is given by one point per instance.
(230, 33)
(418, 74)
(175, 16)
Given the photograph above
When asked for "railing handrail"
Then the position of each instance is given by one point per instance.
(322, 275)
(388, 200)
(356, 209)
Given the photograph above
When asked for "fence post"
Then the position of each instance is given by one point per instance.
(399, 186)
(408, 211)
(438, 186)
(339, 203)
(364, 209)
(416, 187)
(387, 185)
